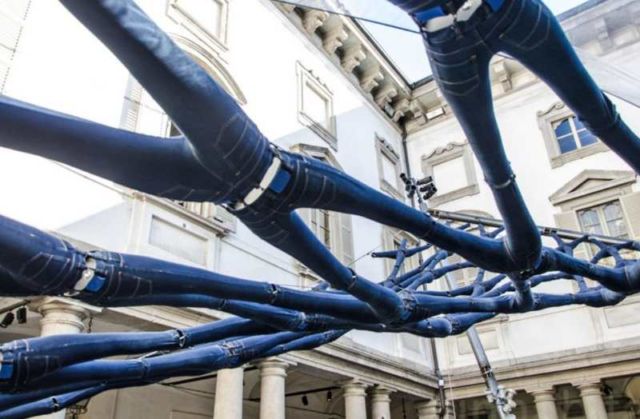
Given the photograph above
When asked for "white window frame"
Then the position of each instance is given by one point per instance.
(182, 17)
(546, 121)
(308, 80)
(602, 220)
(386, 151)
(447, 153)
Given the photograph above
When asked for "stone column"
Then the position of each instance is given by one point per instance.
(229, 392)
(381, 403)
(545, 403)
(273, 373)
(60, 317)
(355, 399)
(427, 409)
(592, 400)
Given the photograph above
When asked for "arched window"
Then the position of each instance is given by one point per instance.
(140, 113)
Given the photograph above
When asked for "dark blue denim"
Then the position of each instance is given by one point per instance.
(53, 404)
(39, 402)
(220, 158)
(528, 31)
(195, 361)
(26, 360)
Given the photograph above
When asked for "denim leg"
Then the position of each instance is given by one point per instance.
(535, 38)
(460, 64)
(315, 184)
(52, 404)
(31, 359)
(159, 166)
(285, 230)
(224, 140)
(193, 361)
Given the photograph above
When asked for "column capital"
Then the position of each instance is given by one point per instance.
(590, 389)
(63, 304)
(545, 395)
(354, 387)
(381, 394)
(274, 367)
(61, 316)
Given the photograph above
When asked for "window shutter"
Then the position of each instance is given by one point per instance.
(131, 108)
(346, 238)
(631, 207)
(569, 221)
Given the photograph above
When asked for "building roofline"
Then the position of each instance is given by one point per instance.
(589, 4)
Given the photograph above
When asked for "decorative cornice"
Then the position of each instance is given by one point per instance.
(558, 106)
(346, 44)
(445, 150)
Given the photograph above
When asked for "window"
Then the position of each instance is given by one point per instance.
(12, 16)
(206, 19)
(565, 136)
(315, 106)
(140, 113)
(599, 202)
(320, 224)
(333, 229)
(453, 170)
(389, 168)
(571, 134)
(606, 219)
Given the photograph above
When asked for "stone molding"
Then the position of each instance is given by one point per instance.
(345, 44)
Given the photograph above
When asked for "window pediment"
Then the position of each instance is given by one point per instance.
(590, 182)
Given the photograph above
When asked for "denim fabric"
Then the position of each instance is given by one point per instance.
(528, 31)
(31, 359)
(195, 361)
(40, 401)
(52, 404)
(418, 7)
(159, 166)
(222, 138)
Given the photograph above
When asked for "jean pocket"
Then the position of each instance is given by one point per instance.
(530, 28)
(457, 77)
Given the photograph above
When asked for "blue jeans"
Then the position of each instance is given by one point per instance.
(221, 156)
(528, 31)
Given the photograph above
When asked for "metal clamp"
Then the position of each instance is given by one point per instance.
(464, 13)
(498, 186)
(257, 192)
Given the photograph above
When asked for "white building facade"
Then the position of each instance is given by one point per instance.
(317, 84)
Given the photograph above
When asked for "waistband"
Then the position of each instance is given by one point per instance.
(441, 12)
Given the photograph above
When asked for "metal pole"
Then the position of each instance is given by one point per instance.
(442, 395)
(496, 394)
